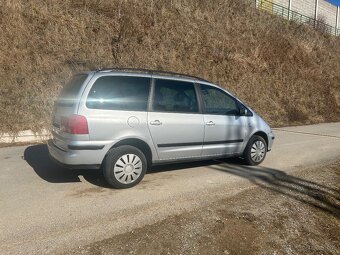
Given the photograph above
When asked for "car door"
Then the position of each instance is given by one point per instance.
(224, 127)
(175, 122)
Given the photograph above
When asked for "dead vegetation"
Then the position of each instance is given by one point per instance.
(288, 73)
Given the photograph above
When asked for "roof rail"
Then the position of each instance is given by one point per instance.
(150, 71)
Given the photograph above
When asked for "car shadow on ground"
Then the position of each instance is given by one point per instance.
(314, 194)
(37, 157)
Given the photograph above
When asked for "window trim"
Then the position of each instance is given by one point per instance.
(123, 110)
(153, 86)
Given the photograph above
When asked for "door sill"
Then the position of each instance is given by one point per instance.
(193, 159)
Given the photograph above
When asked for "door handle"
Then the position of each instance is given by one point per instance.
(210, 123)
(156, 123)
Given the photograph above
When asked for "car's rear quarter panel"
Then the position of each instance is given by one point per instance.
(113, 126)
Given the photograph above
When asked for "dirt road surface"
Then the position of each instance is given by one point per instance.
(48, 209)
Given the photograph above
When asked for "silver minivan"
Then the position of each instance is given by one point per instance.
(124, 120)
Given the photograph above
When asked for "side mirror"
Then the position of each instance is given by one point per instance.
(243, 111)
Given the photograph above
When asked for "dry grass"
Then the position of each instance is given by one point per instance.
(287, 72)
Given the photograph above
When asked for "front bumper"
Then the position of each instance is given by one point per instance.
(271, 138)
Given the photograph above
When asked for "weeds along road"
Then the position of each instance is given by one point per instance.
(48, 209)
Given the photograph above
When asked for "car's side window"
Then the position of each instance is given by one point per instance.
(119, 93)
(217, 101)
(174, 96)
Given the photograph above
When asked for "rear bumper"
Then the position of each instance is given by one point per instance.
(80, 158)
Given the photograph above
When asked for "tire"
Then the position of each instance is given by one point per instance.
(255, 151)
(124, 167)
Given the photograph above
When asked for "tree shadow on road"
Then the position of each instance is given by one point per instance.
(37, 157)
(308, 192)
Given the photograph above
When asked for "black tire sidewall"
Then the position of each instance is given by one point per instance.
(113, 155)
(247, 151)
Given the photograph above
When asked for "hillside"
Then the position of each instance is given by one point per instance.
(288, 73)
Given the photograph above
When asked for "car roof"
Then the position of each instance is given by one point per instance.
(157, 74)
(154, 73)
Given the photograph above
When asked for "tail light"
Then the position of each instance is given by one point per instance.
(75, 124)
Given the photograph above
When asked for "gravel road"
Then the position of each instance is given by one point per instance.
(48, 209)
(289, 214)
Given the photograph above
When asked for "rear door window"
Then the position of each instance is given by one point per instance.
(174, 96)
(119, 93)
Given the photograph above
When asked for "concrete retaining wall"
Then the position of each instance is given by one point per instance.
(319, 9)
(327, 12)
(305, 7)
(26, 136)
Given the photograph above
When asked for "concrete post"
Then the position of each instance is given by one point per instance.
(316, 9)
(289, 9)
(316, 13)
(337, 20)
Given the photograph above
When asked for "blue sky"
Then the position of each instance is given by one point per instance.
(335, 2)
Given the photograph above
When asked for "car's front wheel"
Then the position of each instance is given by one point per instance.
(124, 166)
(255, 151)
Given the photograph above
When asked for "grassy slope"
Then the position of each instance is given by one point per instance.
(288, 73)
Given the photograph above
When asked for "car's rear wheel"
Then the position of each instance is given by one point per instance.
(124, 166)
(255, 151)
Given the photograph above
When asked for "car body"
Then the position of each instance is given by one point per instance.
(168, 117)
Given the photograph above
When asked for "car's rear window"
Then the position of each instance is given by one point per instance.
(71, 89)
(119, 93)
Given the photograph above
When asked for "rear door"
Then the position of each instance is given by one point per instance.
(175, 122)
(224, 127)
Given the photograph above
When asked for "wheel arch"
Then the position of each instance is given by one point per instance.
(263, 135)
(139, 144)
